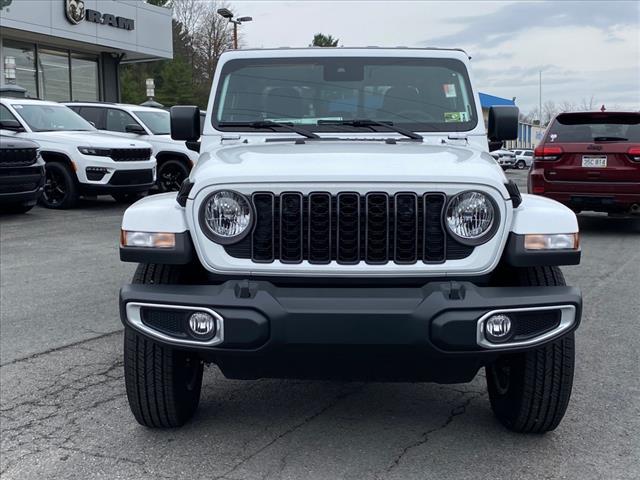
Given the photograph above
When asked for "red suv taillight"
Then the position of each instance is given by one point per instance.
(547, 153)
(634, 154)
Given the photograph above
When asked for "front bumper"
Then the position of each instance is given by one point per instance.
(21, 184)
(430, 333)
(123, 181)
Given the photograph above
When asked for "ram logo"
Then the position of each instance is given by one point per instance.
(74, 10)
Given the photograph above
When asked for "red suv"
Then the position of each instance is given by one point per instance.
(590, 161)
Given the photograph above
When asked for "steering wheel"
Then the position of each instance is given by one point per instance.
(417, 115)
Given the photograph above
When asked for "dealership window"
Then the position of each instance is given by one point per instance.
(24, 57)
(84, 77)
(53, 75)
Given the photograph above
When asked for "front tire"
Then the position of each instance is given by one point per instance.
(529, 392)
(163, 383)
(60, 191)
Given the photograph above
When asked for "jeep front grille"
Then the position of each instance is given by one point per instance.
(349, 228)
(130, 154)
(18, 157)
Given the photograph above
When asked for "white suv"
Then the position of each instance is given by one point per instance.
(78, 159)
(345, 220)
(524, 159)
(148, 124)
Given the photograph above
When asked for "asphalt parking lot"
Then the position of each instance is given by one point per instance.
(64, 412)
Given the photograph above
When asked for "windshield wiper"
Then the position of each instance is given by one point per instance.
(610, 139)
(272, 125)
(368, 123)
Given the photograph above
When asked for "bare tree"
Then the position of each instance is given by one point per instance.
(588, 104)
(213, 38)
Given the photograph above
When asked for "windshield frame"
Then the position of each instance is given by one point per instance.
(423, 127)
(17, 107)
(142, 120)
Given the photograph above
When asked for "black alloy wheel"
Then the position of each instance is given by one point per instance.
(59, 188)
(171, 174)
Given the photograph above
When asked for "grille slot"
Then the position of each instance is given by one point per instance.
(406, 228)
(319, 218)
(377, 233)
(291, 236)
(435, 245)
(262, 240)
(349, 228)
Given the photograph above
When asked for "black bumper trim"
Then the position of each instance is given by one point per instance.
(516, 255)
(181, 254)
(428, 318)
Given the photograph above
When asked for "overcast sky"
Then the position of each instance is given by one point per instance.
(583, 48)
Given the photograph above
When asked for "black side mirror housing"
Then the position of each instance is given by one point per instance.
(135, 128)
(12, 125)
(185, 123)
(503, 123)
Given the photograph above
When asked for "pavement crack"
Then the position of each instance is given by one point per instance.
(456, 411)
(62, 347)
(290, 430)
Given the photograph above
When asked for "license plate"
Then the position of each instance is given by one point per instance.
(594, 161)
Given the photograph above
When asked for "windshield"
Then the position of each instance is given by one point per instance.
(52, 118)
(590, 127)
(158, 122)
(418, 94)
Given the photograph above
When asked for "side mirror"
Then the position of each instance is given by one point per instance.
(185, 123)
(503, 123)
(12, 125)
(135, 128)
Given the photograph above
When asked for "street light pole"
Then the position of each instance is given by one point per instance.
(540, 98)
(235, 35)
(226, 13)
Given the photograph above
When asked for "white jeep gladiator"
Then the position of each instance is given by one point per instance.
(346, 221)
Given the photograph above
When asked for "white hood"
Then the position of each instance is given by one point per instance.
(347, 161)
(87, 139)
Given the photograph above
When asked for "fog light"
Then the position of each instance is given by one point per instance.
(202, 325)
(498, 328)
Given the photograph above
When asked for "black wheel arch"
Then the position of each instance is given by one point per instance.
(58, 157)
(164, 156)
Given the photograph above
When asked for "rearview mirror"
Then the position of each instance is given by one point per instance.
(503, 123)
(185, 123)
(12, 125)
(135, 128)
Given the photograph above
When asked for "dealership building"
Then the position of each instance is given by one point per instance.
(71, 49)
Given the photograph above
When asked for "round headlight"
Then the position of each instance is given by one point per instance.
(472, 217)
(226, 216)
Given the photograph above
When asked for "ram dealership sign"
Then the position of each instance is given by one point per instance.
(76, 12)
